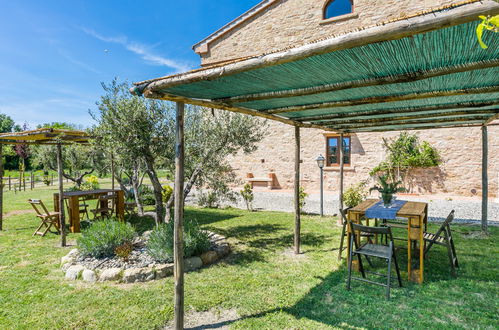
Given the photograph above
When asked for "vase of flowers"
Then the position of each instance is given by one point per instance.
(387, 189)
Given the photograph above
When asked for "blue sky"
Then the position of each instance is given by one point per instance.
(55, 54)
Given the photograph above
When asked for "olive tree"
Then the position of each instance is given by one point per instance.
(136, 129)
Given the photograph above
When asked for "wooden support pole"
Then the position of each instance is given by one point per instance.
(179, 218)
(62, 222)
(1, 187)
(297, 191)
(485, 179)
(342, 167)
(112, 171)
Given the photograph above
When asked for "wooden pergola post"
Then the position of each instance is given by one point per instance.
(179, 218)
(342, 166)
(485, 178)
(297, 191)
(1, 187)
(112, 170)
(62, 222)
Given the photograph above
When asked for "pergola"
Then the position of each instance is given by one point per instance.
(424, 71)
(44, 136)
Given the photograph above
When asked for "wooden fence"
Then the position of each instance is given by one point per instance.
(30, 181)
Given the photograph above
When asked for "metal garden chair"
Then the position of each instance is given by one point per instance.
(48, 218)
(443, 237)
(386, 252)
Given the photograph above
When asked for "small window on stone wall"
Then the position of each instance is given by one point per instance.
(333, 150)
(335, 8)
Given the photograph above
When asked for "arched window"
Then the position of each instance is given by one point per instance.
(336, 8)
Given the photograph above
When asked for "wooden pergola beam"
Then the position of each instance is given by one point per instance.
(212, 104)
(436, 122)
(384, 80)
(409, 116)
(491, 119)
(384, 99)
(415, 127)
(403, 110)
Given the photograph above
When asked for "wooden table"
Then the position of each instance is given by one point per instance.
(416, 214)
(73, 198)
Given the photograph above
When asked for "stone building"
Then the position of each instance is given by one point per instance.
(279, 24)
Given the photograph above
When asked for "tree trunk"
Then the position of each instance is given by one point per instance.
(157, 188)
(62, 223)
(136, 185)
(187, 190)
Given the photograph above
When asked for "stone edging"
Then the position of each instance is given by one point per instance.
(74, 271)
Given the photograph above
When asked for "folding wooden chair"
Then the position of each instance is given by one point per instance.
(103, 209)
(443, 237)
(48, 218)
(386, 252)
(344, 233)
(82, 208)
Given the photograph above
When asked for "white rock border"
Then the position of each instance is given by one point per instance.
(73, 271)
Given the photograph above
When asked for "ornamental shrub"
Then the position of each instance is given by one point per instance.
(167, 193)
(160, 244)
(406, 152)
(355, 194)
(147, 195)
(247, 195)
(103, 237)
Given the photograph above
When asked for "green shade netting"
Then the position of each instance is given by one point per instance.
(435, 101)
(436, 49)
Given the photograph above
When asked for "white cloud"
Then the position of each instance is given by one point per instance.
(140, 49)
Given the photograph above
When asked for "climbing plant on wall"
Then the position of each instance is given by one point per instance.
(404, 153)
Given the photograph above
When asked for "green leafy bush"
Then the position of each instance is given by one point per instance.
(301, 200)
(167, 193)
(147, 195)
(247, 195)
(355, 194)
(406, 152)
(208, 199)
(160, 244)
(103, 237)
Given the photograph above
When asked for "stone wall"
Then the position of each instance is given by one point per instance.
(292, 23)
(460, 173)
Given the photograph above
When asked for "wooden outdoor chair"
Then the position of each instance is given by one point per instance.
(443, 237)
(344, 233)
(48, 218)
(103, 209)
(82, 208)
(386, 252)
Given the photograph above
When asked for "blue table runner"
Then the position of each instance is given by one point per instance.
(378, 211)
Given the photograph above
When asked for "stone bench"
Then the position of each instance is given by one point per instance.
(270, 182)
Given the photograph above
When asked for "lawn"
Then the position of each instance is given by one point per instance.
(267, 285)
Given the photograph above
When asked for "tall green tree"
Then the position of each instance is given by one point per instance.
(136, 129)
(142, 129)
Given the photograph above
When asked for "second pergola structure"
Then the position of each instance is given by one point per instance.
(425, 71)
(50, 137)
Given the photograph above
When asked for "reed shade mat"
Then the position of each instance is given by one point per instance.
(435, 77)
(379, 211)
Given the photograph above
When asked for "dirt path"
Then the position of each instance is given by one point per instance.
(212, 319)
(17, 212)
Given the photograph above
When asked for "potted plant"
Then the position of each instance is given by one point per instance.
(387, 189)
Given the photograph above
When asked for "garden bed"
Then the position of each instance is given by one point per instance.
(139, 266)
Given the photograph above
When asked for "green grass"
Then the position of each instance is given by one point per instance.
(261, 279)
